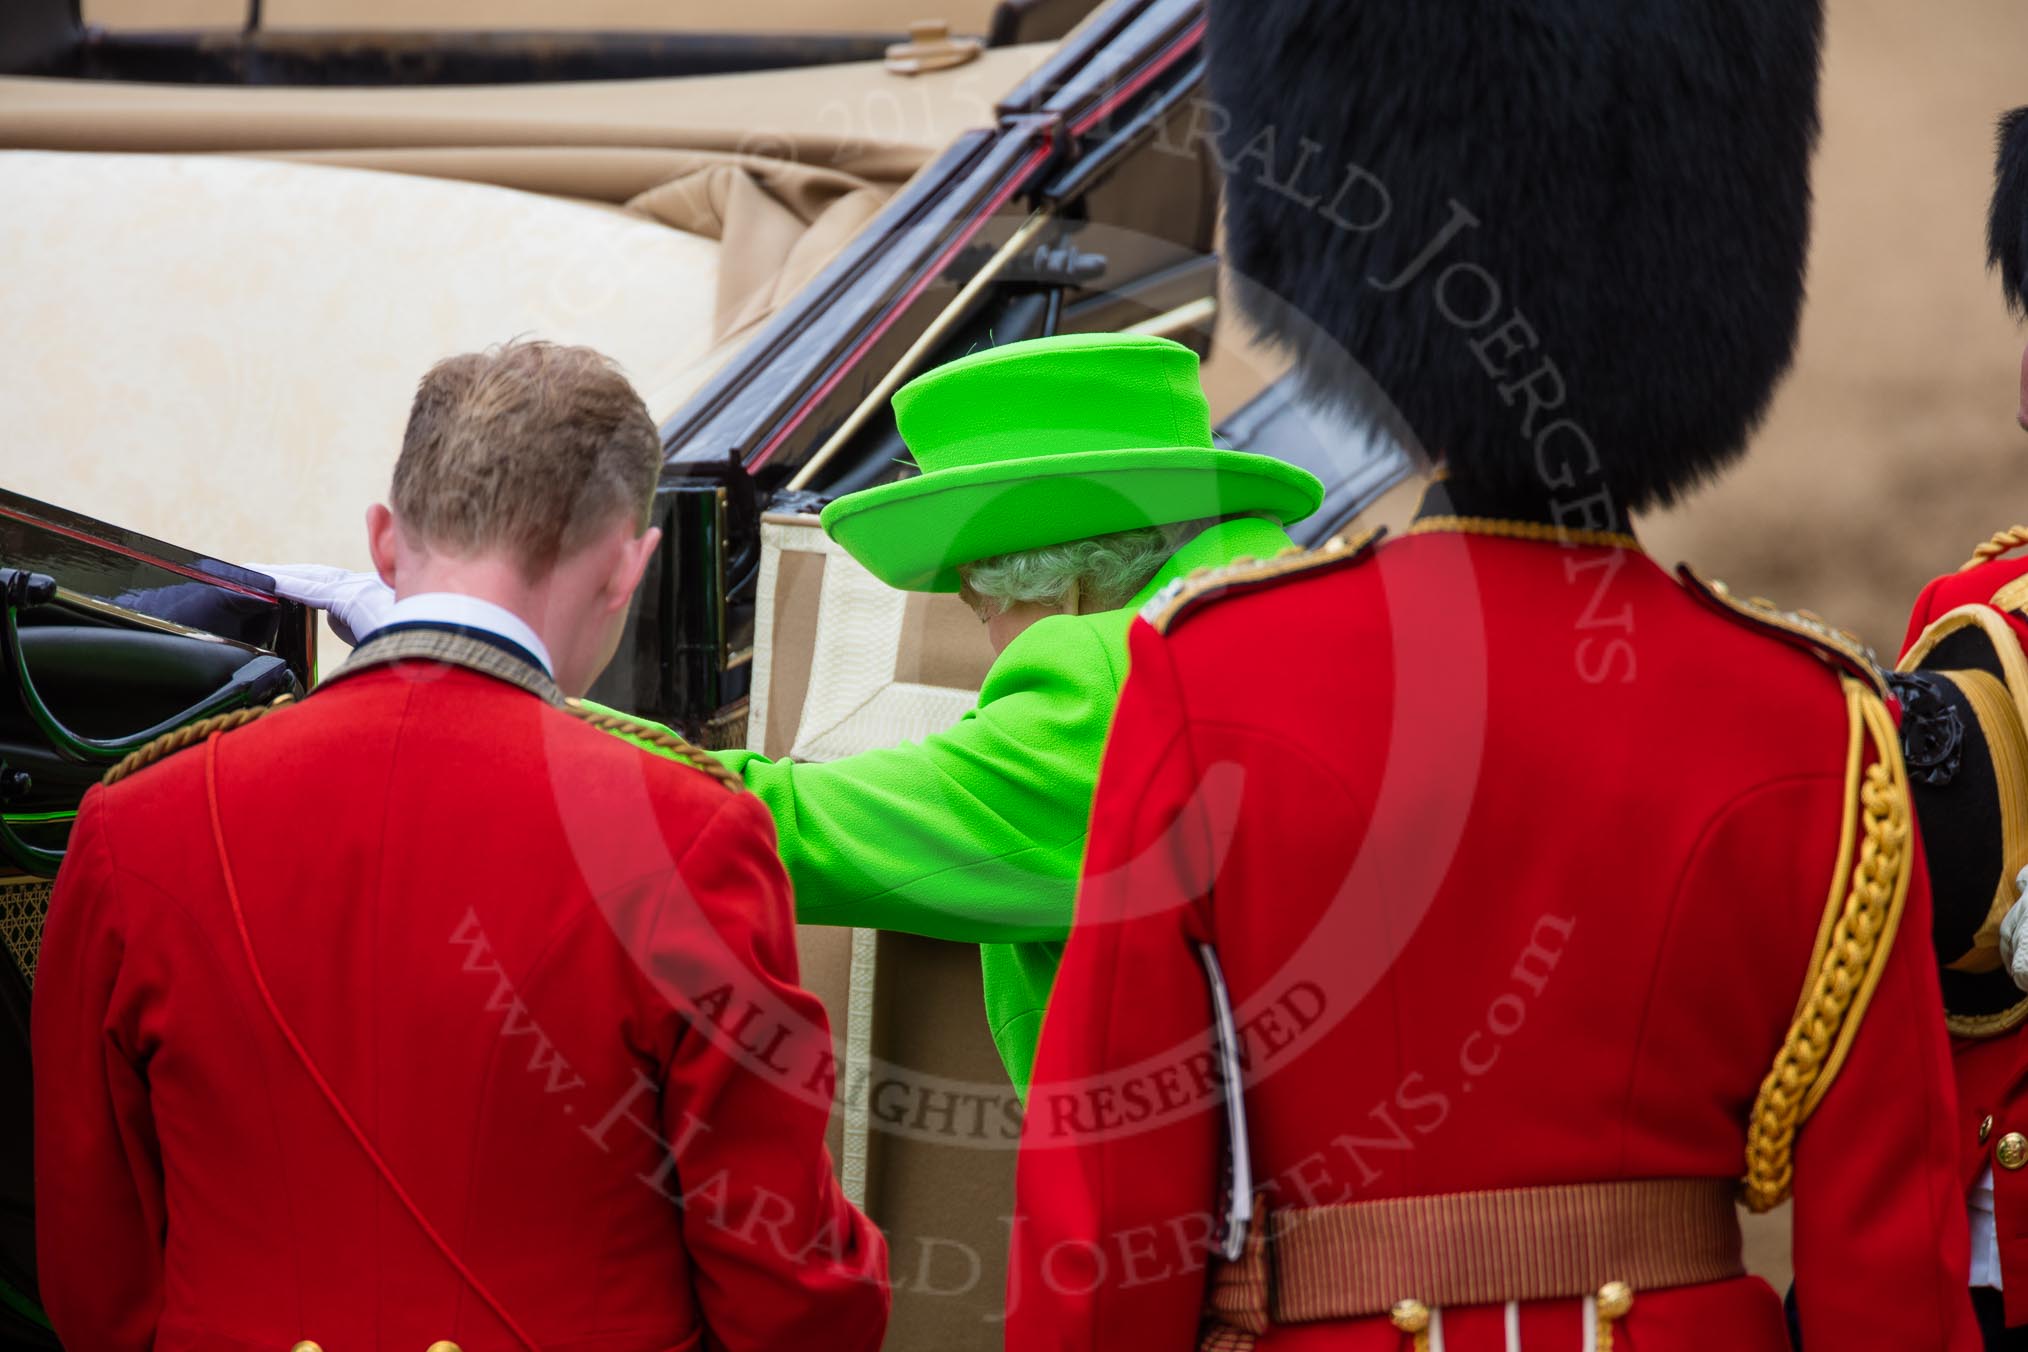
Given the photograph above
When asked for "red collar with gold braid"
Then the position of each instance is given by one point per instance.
(1562, 517)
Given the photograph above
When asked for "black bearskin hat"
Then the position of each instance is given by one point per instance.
(2007, 222)
(1566, 238)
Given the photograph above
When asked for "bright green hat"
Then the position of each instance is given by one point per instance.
(1051, 440)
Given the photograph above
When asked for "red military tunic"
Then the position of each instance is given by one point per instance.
(1992, 1072)
(1515, 855)
(551, 978)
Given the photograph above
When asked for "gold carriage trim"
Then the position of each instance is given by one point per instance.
(1167, 608)
(189, 735)
(1998, 543)
(684, 752)
(1868, 895)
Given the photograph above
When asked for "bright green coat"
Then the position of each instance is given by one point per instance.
(976, 833)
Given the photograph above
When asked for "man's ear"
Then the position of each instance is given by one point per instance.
(631, 563)
(382, 540)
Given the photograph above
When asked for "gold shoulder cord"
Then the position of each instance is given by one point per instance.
(1999, 543)
(660, 738)
(1860, 921)
(189, 735)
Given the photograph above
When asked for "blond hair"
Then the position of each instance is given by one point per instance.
(529, 448)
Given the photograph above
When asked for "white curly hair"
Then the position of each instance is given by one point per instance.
(1099, 573)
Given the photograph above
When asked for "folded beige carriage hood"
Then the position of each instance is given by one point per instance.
(221, 351)
(801, 16)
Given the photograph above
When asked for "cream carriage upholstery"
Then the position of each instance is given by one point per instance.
(215, 286)
(843, 663)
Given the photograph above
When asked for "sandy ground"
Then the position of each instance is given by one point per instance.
(1892, 449)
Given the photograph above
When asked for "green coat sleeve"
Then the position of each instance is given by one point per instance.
(975, 834)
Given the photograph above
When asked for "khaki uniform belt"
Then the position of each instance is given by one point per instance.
(1359, 1259)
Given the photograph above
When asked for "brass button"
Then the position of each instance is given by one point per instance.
(1615, 1299)
(1985, 1129)
(444, 1345)
(306, 1346)
(1410, 1316)
(2012, 1150)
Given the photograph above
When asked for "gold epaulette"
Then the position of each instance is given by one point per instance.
(1167, 608)
(1998, 543)
(1842, 648)
(189, 735)
(1869, 890)
(654, 735)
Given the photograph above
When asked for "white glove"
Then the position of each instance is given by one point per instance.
(2012, 951)
(357, 603)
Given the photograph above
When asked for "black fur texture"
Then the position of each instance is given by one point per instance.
(1638, 171)
(2007, 221)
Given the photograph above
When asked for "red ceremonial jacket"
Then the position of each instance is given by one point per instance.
(1515, 855)
(550, 978)
(1992, 1073)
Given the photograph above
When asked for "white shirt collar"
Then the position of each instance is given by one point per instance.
(469, 612)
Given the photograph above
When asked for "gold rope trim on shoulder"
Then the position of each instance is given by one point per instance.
(661, 738)
(1523, 530)
(1853, 955)
(2011, 596)
(1998, 543)
(1167, 606)
(189, 735)
(1819, 633)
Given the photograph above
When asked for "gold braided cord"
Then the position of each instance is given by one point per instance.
(2000, 542)
(1523, 530)
(660, 738)
(189, 735)
(1841, 876)
(1851, 966)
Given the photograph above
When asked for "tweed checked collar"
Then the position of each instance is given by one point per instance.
(453, 645)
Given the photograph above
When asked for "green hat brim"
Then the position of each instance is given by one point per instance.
(914, 534)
